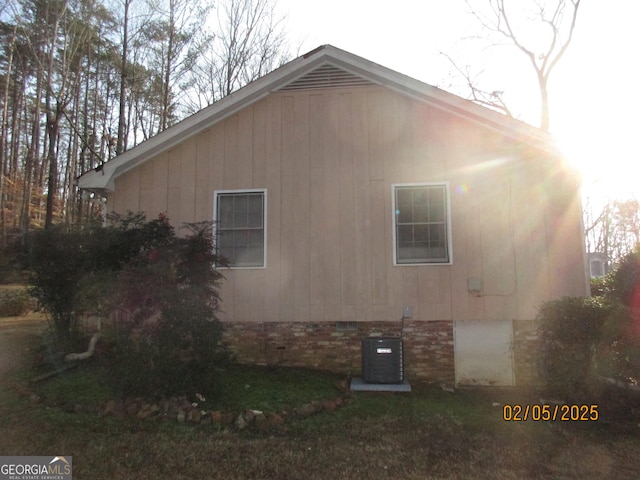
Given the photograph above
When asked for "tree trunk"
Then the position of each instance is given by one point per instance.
(4, 133)
(53, 126)
(33, 153)
(121, 143)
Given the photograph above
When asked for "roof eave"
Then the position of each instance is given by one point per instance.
(104, 178)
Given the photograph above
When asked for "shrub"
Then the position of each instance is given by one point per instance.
(15, 301)
(56, 265)
(161, 288)
(167, 298)
(71, 268)
(618, 354)
(625, 282)
(570, 329)
(602, 286)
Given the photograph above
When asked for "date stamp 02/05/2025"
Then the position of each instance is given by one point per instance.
(550, 412)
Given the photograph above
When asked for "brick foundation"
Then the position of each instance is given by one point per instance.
(525, 352)
(428, 346)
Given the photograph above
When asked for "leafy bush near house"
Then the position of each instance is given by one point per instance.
(600, 335)
(161, 289)
(625, 281)
(71, 269)
(601, 286)
(619, 352)
(167, 299)
(570, 329)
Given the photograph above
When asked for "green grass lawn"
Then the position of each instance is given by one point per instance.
(426, 434)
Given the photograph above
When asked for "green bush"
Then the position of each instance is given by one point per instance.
(161, 289)
(618, 354)
(619, 351)
(168, 298)
(570, 330)
(602, 286)
(625, 282)
(603, 331)
(15, 301)
(71, 268)
(56, 261)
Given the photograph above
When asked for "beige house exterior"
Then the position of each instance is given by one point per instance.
(355, 201)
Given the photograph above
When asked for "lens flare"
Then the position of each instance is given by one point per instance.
(462, 189)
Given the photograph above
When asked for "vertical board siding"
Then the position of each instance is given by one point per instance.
(173, 185)
(160, 184)
(287, 207)
(243, 158)
(328, 160)
(273, 171)
(317, 203)
(187, 184)
(347, 205)
(374, 125)
(203, 205)
(331, 220)
(146, 190)
(259, 145)
(301, 206)
(361, 207)
(378, 248)
(230, 157)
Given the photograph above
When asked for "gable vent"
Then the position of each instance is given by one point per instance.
(327, 76)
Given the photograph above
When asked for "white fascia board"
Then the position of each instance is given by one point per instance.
(104, 178)
(443, 100)
(227, 106)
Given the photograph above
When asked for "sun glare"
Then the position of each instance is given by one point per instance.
(603, 156)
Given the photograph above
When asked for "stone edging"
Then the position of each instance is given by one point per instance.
(181, 410)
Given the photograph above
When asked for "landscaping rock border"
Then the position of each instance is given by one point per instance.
(181, 410)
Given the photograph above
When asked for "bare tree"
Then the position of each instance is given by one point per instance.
(492, 99)
(177, 41)
(613, 228)
(121, 143)
(4, 130)
(73, 72)
(541, 30)
(249, 42)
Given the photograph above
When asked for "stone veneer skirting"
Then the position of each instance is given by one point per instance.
(336, 346)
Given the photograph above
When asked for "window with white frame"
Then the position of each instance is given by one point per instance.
(421, 224)
(240, 227)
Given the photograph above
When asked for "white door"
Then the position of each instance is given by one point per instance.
(483, 352)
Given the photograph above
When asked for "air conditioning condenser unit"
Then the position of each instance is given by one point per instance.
(382, 360)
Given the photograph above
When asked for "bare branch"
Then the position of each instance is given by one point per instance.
(502, 23)
(492, 99)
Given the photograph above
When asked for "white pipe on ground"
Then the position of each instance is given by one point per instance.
(92, 345)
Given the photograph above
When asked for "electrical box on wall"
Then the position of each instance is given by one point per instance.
(474, 285)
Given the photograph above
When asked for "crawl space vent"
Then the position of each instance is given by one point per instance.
(327, 76)
(382, 360)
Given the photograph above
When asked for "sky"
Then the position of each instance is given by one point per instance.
(593, 91)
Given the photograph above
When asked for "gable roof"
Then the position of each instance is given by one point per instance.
(326, 66)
